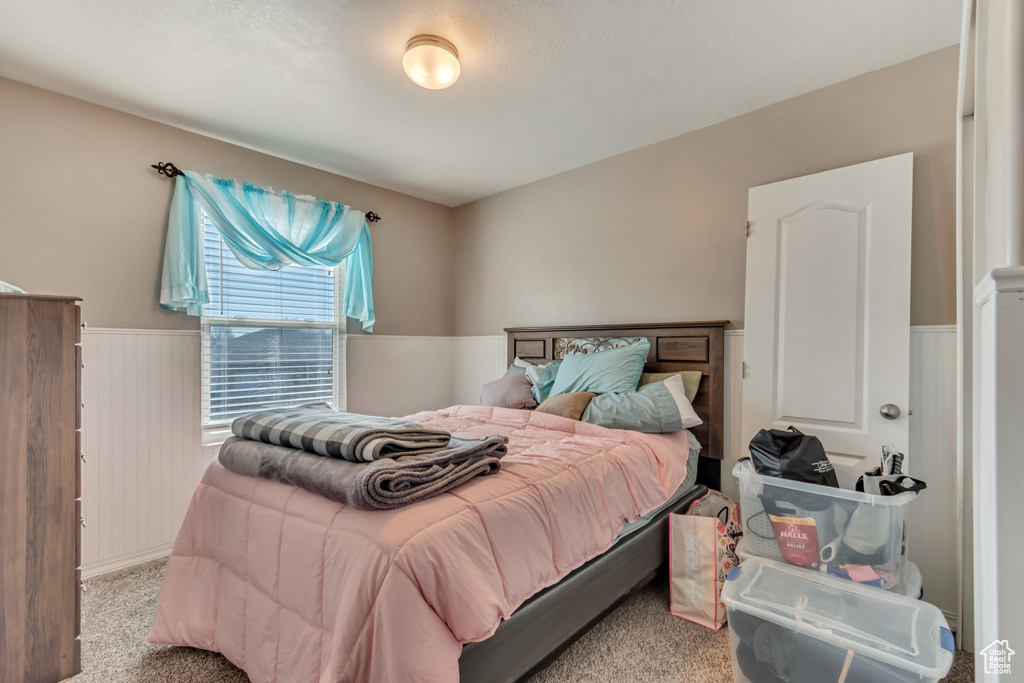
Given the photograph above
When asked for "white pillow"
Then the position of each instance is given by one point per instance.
(674, 384)
(520, 363)
(11, 289)
(533, 372)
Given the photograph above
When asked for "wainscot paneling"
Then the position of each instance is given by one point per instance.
(141, 440)
(476, 361)
(733, 410)
(142, 436)
(932, 519)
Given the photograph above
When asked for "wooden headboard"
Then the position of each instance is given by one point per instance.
(674, 347)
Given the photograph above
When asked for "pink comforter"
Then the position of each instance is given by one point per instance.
(293, 587)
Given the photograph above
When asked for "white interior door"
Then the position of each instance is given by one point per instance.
(827, 323)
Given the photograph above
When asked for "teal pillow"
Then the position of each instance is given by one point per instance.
(604, 372)
(651, 409)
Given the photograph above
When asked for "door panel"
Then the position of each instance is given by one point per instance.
(821, 316)
(827, 316)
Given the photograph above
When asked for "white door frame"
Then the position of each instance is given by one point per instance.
(968, 175)
(990, 249)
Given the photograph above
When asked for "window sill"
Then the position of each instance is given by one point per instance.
(215, 435)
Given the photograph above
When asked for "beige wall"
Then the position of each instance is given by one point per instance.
(657, 233)
(653, 234)
(81, 213)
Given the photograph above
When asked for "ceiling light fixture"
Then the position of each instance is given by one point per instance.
(431, 61)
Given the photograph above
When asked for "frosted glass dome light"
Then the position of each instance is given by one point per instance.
(431, 61)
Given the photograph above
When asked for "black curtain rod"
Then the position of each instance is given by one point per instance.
(170, 170)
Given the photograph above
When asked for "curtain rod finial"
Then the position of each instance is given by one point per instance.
(168, 169)
(372, 217)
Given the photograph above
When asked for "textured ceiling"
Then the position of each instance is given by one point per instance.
(546, 85)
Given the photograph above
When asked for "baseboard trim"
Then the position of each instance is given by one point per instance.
(127, 560)
(951, 619)
(932, 329)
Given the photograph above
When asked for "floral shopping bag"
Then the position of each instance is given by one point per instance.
(702, 551)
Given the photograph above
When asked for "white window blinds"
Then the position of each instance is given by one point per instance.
(270, 338)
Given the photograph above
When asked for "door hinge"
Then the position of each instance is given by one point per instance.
(746, 230)
(743, 370)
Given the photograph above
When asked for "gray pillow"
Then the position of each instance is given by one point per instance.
(512, 391)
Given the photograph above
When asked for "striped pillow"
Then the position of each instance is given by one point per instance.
(614, 371)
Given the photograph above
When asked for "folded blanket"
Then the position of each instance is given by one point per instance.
(359, 438)
(378, 485)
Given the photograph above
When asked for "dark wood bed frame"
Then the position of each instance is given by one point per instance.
(552, 620)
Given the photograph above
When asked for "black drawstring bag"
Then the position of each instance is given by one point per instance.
(793, 455)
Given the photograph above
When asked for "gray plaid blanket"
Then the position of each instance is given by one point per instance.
(359, 438)
(380, 485)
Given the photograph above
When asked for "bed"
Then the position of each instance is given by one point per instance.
(474, 584)
(547, 624)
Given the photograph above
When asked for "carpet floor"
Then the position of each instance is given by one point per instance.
(640, 642)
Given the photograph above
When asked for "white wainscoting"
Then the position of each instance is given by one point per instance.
(932, 526)
(476, 361)
(144, 457)
(732, 448)
(141, 440)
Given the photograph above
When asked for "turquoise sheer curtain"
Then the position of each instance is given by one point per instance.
(264, 230)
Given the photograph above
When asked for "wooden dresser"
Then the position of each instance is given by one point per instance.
(40, 474)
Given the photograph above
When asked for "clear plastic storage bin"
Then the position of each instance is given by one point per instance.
(910, 582)
(851, 535)
(786, 624)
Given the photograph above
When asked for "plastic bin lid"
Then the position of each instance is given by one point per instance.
(745, 472)
(906, 633)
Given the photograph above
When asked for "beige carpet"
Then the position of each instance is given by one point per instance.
(641, 642)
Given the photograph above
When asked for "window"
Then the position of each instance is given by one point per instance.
(270, 338)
